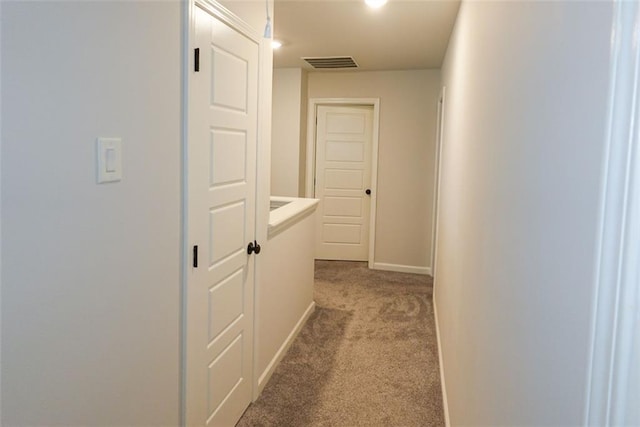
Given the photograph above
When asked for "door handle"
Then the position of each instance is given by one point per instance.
(368, 191)
(253, 247)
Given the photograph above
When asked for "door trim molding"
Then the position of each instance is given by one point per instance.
(225, 15)
(311, 155)
(612, 376)
(436, 178)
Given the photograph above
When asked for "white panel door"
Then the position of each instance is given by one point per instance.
(343, 174)
(222, 138)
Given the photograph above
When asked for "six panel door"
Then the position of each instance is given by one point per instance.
(222, 144)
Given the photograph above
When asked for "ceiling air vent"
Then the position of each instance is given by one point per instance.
(332, 62)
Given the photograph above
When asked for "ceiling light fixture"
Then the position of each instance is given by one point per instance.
(375, 3)
(275, 44)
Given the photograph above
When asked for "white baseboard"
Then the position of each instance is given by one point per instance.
(445, 401)
(401, 268)
(266, 375)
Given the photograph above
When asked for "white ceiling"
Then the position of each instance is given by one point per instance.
(402, 35)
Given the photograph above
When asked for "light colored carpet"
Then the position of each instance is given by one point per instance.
(366, 357)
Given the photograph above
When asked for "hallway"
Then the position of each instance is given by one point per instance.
(536, 242)
(367, 356)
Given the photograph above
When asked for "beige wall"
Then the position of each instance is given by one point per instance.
(408, 104)
(284, 299)
(91, 274)
(289, 103)
(521, 178)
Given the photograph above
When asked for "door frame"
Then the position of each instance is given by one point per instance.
(612, 387)
(437, 177)
(312, 112)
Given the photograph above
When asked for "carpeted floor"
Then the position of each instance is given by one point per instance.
(367, 356)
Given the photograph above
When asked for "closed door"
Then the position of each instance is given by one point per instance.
(220, 222)
(343, 179)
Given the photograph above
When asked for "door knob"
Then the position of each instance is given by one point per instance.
(253, 247)
(368, 191)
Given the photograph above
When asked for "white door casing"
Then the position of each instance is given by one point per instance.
(437, 175)
(613, 387)
(343, 174)
(220, 204)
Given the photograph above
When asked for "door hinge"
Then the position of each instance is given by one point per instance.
(196, 60)
(195, 256)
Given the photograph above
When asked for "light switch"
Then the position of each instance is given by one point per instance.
(109, 153)
(110, 160)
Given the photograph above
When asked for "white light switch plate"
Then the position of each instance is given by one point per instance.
(109, 152)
